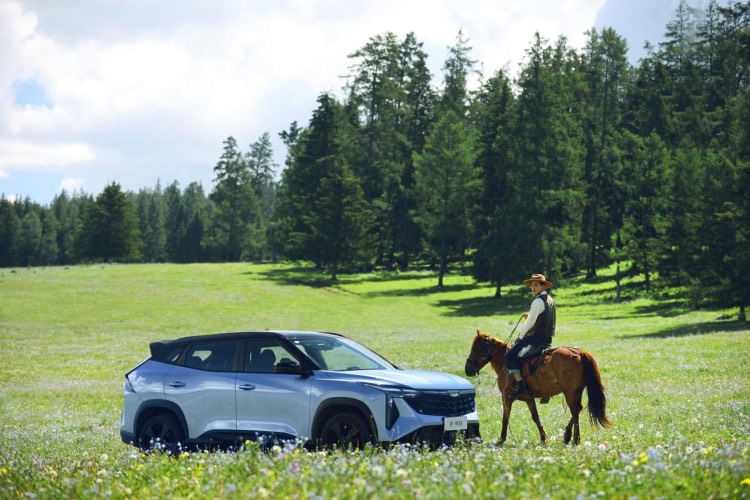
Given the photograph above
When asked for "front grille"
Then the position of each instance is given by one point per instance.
(443, 403)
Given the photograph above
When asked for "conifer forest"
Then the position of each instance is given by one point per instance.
(578, 161)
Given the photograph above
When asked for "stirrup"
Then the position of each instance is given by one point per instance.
(520, 391)
(543, 401)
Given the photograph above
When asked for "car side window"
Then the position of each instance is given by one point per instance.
(212, 356)
(173, 356)
(262, 356)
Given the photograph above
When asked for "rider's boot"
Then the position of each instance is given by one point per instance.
(521, 389)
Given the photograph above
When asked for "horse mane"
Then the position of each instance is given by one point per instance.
(494, 340)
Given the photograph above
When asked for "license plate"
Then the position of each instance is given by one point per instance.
(455, 423)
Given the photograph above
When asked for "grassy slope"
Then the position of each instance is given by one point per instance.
(676, 379)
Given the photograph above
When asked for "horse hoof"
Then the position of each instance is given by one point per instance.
(499, 443)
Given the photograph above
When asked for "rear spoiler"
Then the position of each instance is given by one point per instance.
(160, 349)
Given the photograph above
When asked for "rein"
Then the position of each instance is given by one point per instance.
(507, 341)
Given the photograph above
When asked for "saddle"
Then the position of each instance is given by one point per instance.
(535, 356)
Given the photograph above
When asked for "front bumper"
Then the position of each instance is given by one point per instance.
(434, 436)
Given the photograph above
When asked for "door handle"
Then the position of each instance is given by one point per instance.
(177, 384)
(247, 387)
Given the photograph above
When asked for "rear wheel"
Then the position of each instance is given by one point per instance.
(345, 430)
(162, 433)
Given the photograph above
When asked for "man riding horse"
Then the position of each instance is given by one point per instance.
(537, 332)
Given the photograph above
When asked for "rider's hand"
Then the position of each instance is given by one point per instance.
(525, 315)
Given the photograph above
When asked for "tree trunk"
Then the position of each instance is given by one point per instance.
(443, 262)
(617, 281)
(742, 316)
(334, 271)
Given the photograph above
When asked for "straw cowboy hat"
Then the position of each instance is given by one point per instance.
(540, 278)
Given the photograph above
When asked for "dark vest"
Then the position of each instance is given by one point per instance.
(544, 329)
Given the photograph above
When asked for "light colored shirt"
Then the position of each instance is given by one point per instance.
(537, 308)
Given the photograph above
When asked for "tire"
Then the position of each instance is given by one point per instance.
(345, 430)
(162, 433)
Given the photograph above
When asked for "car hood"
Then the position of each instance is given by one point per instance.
(414, 379)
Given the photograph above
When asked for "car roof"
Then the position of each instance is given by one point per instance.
(161, 345)
(242, 335)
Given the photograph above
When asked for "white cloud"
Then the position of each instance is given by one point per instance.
(142, 91)
(71, 185)
(42, 156)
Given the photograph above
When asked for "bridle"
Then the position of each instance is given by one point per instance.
(485, 349)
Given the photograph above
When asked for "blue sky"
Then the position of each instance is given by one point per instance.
(137, 91)
(30, 93)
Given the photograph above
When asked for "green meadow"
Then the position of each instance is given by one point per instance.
(677, 381)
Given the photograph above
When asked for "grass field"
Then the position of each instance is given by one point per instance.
(677, 382)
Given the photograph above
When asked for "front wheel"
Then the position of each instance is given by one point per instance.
(162, 433)
(345, 430)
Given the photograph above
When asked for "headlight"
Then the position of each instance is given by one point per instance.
(392, 390)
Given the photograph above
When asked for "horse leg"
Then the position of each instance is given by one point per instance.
(574, 403)
(535, 416)
(506, 419)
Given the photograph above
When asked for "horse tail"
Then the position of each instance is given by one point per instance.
(595, 391)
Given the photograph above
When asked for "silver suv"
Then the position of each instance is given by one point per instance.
(318, 389)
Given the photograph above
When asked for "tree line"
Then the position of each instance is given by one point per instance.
(579, 162)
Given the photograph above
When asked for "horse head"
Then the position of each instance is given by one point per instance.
(481, 353)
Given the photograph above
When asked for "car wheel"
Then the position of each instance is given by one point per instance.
(162, 433)
(345, 430)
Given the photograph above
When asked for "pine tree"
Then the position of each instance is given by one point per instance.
(174, 222)
(549, 162)
(606, 70)
(10, 231)
(389, 112)
(109, 230)
(31, 239)
(446, 185)
(341, 221)
(48, 250)
(67, 211)
(494, 226)
(323, 215)
(647, 168)
(151, 216)
(457, 67)
(262, 168)
(234, 233)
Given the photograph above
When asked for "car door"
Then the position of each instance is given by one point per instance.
(269, 402)
(204, 387)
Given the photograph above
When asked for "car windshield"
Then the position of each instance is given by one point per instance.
(340, 354)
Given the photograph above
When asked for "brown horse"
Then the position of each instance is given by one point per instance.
(566, 369)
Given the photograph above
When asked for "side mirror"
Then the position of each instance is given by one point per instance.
(290, 367)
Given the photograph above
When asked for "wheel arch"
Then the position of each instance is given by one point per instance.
(152, 408)
(340, 405)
